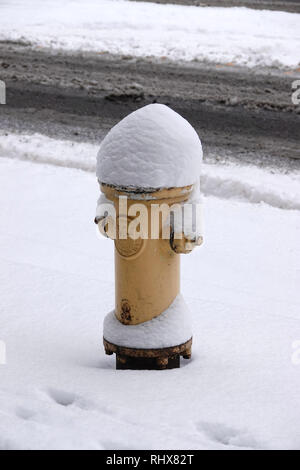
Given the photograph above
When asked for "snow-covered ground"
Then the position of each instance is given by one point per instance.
(239, 35)
(59, 390)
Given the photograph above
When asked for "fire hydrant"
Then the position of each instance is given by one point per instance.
(148, 170)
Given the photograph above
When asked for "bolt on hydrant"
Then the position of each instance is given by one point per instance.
(149, 169)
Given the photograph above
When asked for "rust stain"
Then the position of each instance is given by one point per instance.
(126, 312)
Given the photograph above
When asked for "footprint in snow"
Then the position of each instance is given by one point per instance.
(61, 397)
(66, 399)
(25, 413)
(228, 436)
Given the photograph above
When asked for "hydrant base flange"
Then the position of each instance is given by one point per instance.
(151, 359)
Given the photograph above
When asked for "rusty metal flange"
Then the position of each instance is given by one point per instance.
(136, 358)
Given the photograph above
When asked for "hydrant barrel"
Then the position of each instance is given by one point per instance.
(147, 271)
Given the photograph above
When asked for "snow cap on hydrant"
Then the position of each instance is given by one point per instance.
(151, 160)
(153, 147)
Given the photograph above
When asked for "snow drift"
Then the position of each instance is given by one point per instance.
(241, 182)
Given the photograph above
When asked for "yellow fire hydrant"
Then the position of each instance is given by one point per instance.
(148, 170)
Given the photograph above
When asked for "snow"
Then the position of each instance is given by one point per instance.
(229, 181)
(58, 389)
(177, 32)
(252, 184)
(153, 147)
(170, 328)
(42, 149)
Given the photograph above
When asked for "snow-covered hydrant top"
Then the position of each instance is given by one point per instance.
(153, 147)
(148, 169)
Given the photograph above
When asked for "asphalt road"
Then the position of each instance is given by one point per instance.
(239, 113)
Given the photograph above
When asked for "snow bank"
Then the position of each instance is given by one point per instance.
(223, 35)
(171, 328)
(239, 182)
(42, 149)
(153, 147)
(249, 183)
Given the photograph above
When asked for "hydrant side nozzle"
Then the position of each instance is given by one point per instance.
(105, 225)
(180, 244)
